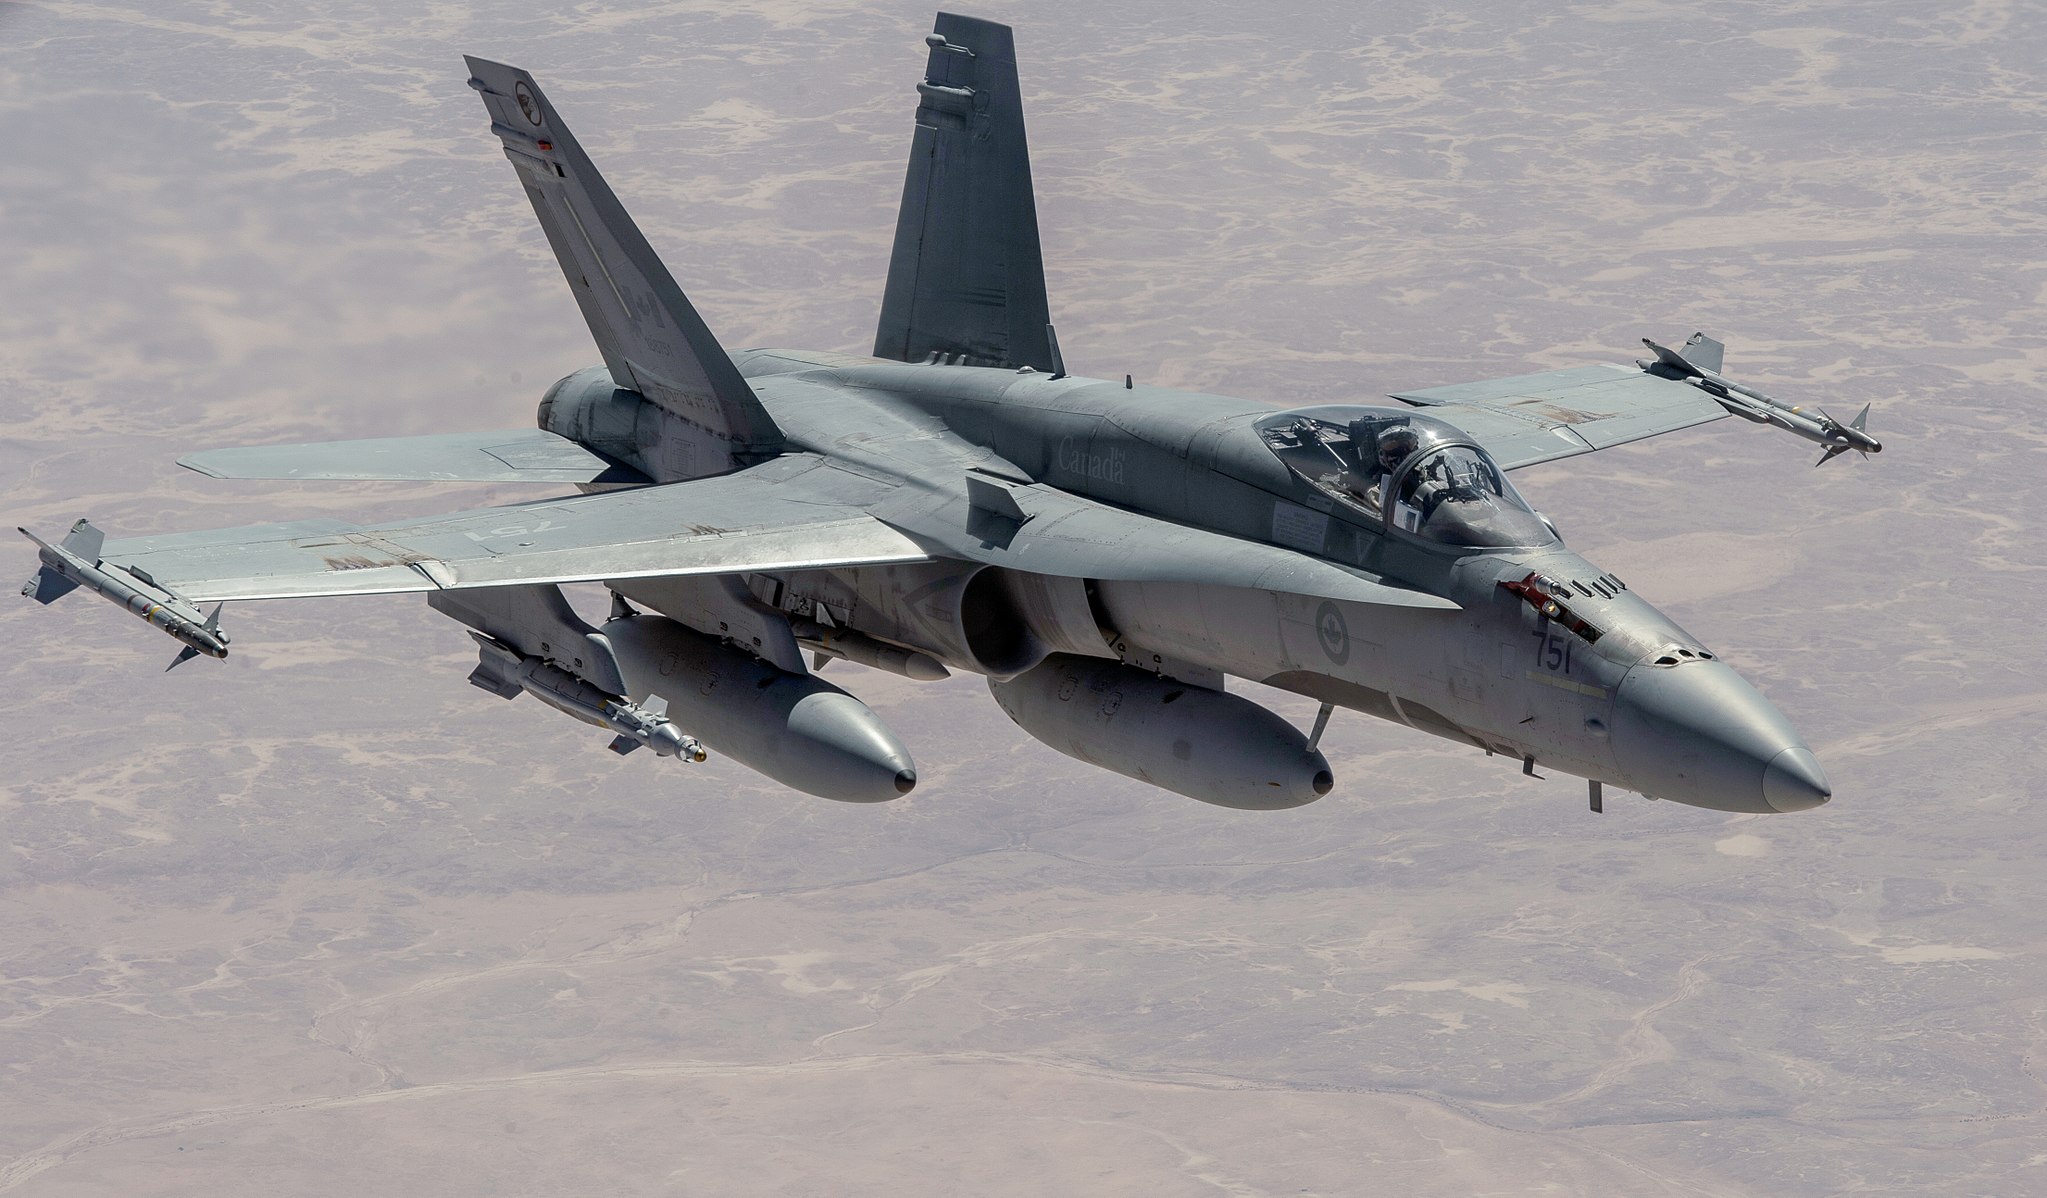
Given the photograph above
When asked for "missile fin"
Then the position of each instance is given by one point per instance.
(1704, 352)
(46, 586)
(1673, 361)
(622, 745)
(84, 541)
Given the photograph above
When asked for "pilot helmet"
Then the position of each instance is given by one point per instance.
(1395, 446)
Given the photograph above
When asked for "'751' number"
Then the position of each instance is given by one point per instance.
(1552, 649)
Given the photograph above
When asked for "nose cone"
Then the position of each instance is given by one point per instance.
(1698, 733)
(1795, 781)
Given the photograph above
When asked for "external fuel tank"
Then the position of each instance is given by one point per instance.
(796, 728)
(1202, 743)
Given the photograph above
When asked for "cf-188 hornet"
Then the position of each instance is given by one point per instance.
(1106, 554)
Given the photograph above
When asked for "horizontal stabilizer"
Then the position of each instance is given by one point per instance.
(503, 456)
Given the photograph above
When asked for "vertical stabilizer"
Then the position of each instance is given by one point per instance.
(653, 341)
(967, 276)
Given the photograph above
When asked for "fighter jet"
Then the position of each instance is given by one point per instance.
(1106, 554)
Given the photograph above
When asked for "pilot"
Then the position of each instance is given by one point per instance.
(1396, 444)
(1392, 447)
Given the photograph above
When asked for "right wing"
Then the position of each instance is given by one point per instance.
(527, 455)
(792, 513)
(1533, 418)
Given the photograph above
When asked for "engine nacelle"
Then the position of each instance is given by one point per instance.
(1201, 743)
(983, 619)
(796, 728)
(589, 408)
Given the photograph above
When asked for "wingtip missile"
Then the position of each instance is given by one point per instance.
(1840, 438)
(1756, 407)
(76, 563)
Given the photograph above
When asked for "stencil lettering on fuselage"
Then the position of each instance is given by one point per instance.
(1298, 527)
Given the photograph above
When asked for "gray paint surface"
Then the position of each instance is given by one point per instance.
(1251, 513)
(503, 456)
(966, 279)
(1475, 983)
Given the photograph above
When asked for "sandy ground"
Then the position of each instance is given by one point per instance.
(324, 919)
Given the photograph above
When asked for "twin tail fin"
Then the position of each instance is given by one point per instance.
(653, 341)
(966, 281)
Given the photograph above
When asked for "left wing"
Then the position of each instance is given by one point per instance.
(790, 513)
(1533, 418)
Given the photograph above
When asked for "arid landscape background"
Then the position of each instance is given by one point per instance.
(325, 919)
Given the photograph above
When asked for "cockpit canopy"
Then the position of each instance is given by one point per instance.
(1444, 487)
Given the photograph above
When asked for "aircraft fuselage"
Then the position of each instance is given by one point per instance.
(1642, 704)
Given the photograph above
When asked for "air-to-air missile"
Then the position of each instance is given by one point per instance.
(76, 563)
(1702, 370)
(505, 671)
(829, 641)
